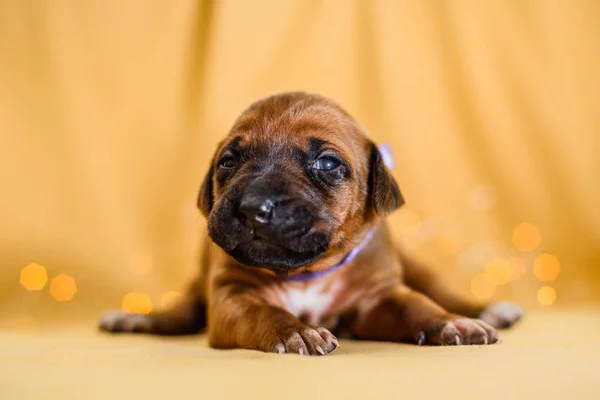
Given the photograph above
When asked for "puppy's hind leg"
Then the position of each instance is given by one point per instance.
(186, 317)
(418, 277)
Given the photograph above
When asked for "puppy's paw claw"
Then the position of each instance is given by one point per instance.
(307, 341)
(118, 321)
(501, 315)
(279, 348)
(456, 332)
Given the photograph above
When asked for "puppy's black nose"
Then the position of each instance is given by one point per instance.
(256, 212)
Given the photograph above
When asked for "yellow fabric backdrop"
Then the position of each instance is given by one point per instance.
(110, 110)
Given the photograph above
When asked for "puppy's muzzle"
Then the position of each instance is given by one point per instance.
(270, 211)
(274, 217)
(269, 221)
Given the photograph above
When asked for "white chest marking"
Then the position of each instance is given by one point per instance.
(312, 301)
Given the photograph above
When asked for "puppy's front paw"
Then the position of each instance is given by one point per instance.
(308, 341)
(456, 331)
(501, 315)
(118, 321)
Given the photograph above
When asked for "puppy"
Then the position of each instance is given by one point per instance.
(296, 198)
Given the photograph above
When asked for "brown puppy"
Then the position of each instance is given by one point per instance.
(295, 198)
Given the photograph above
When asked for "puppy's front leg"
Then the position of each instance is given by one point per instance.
(243, 320)
(186, 317)
(420, 278)
(404, 315)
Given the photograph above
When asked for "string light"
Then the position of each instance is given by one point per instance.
(518, 268)
(33, 277)
(498, 272)
(526, 237)
(481, 287)
(137, 302)
(546, 267)
(474, 257)
(546, 295)
(62, 288)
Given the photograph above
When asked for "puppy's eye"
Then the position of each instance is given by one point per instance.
(326, 163)
(227, 162)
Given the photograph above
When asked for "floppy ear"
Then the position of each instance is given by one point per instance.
(384, 192)
(205, 197)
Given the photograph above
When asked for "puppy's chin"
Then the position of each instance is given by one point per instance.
(263, 253)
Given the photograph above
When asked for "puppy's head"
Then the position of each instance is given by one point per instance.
(295, 180)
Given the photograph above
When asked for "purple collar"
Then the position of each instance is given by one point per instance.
(307, 276)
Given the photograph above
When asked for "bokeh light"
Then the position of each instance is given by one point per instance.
(137, 302)
(33, 277)
(473, 257)
(526, 237)
(63, 287)
(140, 263)
(546, 267)
(546, 295)
(518, 268)
(482, 288)
(498, 272)
(168, 299)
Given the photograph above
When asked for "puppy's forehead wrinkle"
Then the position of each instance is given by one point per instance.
(295, 113)
(319, 115)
